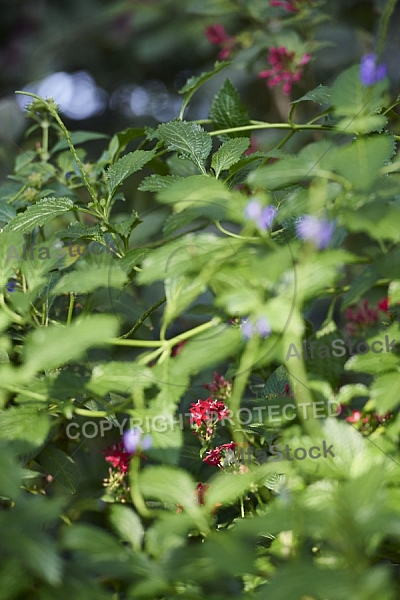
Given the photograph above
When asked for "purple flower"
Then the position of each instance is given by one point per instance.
(370, 72)
(11, 286)
(133, 438)
(262, 328)
(315, 230)
(263, 217)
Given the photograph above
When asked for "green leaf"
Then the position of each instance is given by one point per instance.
(379, 219)
(229, 154)
(177, 221)
(180, 292)
(194, 83)
(61, 467)
(385, 392)
(204, 194)
(125, 227)
(155, 183)
(119, 141)
(78, 137)
(321, 95)
(189, 139)
(125, 166)
(169, 484)
(26, 426)
(84, 282)
(358, 103)
(40, 213)
(227, 111)
(71, 342)
(127, 524)
(360, 161)
(119, 377)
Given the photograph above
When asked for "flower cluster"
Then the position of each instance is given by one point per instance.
(205, 414)
(220, 387)
(286, 68)
(263, 217)
(369, 422)
(217, 35)
(216, 456)
(370, 72)
(318, 231)
(364, 316)
(119, 456)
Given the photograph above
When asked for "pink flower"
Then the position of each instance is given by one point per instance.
(285, 68)
(217, 35)
(355, 417)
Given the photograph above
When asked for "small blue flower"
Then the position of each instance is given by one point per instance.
(262, 328)
(370, 72)
(11, 286)
(263, 217)
(132, 439)
(319, 231)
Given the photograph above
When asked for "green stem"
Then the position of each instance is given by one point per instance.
(65, 131)
(70, 308)
(247, 361)
(144, 317)
(383, 27)
(10, 313)
(276, 126)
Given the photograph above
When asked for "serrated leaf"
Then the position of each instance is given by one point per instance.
(321, 95)
(385, 392)
(155, 183)
(360, 161)
(40, 213)
(378, 219)
(227, 111)
(132, 258)
(84, 282)
(177, 221)
(125, 227)
(180, 292)
(126, 166)
(61, 467)
(194, 83)
(229, 154)
(71, 342)
(189, 139)
(119, 377)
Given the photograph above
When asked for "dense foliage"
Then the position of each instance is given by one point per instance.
(167, 373)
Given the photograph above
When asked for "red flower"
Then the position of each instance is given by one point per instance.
(118, 457)
(364, 316)
(217, 35)
(215, 456)
(383, 305)
(205, 410)
(285, 68)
